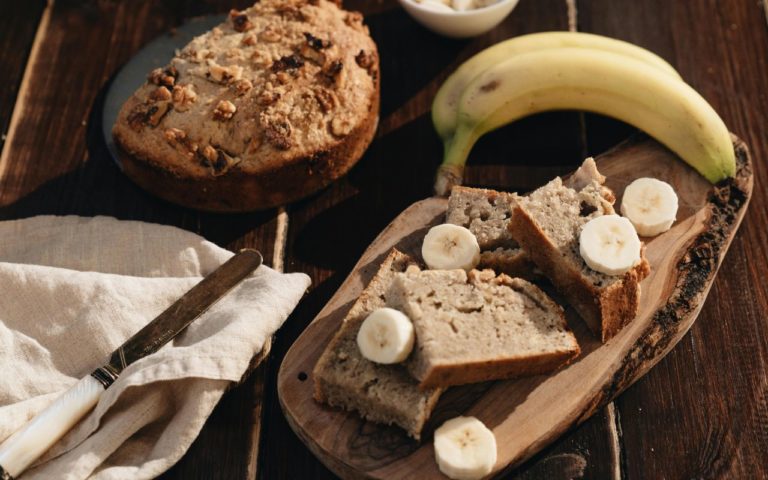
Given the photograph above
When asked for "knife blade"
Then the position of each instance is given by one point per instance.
(37, 436)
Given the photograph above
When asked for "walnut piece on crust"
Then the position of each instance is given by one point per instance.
(224, 110)
(183, 97)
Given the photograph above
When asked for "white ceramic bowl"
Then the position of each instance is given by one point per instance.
(468, 23)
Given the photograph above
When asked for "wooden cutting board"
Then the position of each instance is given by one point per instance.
(527, 414)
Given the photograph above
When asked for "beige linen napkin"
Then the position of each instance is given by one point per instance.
(72, 289)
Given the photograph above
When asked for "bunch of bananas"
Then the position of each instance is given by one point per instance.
(576, 71)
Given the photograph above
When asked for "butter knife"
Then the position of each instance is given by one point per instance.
(36, 437)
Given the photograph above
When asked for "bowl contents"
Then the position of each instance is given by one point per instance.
(500, 89)
(651, 206)
(268, 107)
(455, 5)
(465, 449)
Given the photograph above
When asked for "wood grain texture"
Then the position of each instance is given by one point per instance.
(529, 413)
(58, 164)
(713, 388)
(19, 21)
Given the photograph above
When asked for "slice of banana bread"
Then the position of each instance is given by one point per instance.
(380, 393)
(478, 326)
(486, 213)
(547, 224)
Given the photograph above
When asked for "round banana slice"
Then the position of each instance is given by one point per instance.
(651, 206)
(448, 247)
(465, 449)
(609, 244)
(386, 336)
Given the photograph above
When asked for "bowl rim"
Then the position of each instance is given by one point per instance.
(459, 13)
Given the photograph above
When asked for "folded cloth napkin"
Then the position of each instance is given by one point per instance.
(72, 289)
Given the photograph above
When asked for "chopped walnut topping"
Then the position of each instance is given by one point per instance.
(224, 110)
(316, 43)
(174, 135)
(354, 19)
(261, 59)
(148, 114)
(249, 40)
(326, 99)
(178, 139)
(160, 94)
(278, 133)
(269, 96)
(183, 97)
(234, 54)
(282, 78)
(242, 86)
(290, 12)
(157, 112)
(210, 154)
(333, 73)
(202, 55)
(365, 59)
(240, 21)
(165, 77)
(287, 63)
(218, 160)
(221, 74)
(270, 34)
(341, 126)
(312, 55)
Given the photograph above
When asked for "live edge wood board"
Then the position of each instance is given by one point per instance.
(527, 414)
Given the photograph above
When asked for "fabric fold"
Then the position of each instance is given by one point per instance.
(74, 288)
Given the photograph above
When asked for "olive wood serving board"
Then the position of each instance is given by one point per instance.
(527, 414)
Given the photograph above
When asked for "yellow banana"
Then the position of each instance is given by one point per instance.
(596, 81)
(446, 101)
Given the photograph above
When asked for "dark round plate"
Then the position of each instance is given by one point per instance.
(156, 53)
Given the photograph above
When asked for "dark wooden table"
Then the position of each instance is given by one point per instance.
(701, 413)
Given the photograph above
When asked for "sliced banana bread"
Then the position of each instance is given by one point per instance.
(547, 224)
(478, 326)
(486, 214)
(380, 393)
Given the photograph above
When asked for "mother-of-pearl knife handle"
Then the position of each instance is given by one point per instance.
(29, 443)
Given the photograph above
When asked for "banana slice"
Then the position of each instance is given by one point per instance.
(448, 247)
(609, 244)
(651, 206)
(465, 449)
(386, 336)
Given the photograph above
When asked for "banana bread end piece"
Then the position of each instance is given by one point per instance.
(486, 214)
(379, 393)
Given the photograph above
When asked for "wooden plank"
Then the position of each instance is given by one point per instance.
(57, 164)
(19, 22)
(703, 411)
(329, 231)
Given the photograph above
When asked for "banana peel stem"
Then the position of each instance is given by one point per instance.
(451, 171)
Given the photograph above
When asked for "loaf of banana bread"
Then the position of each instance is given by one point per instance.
(273, 104)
